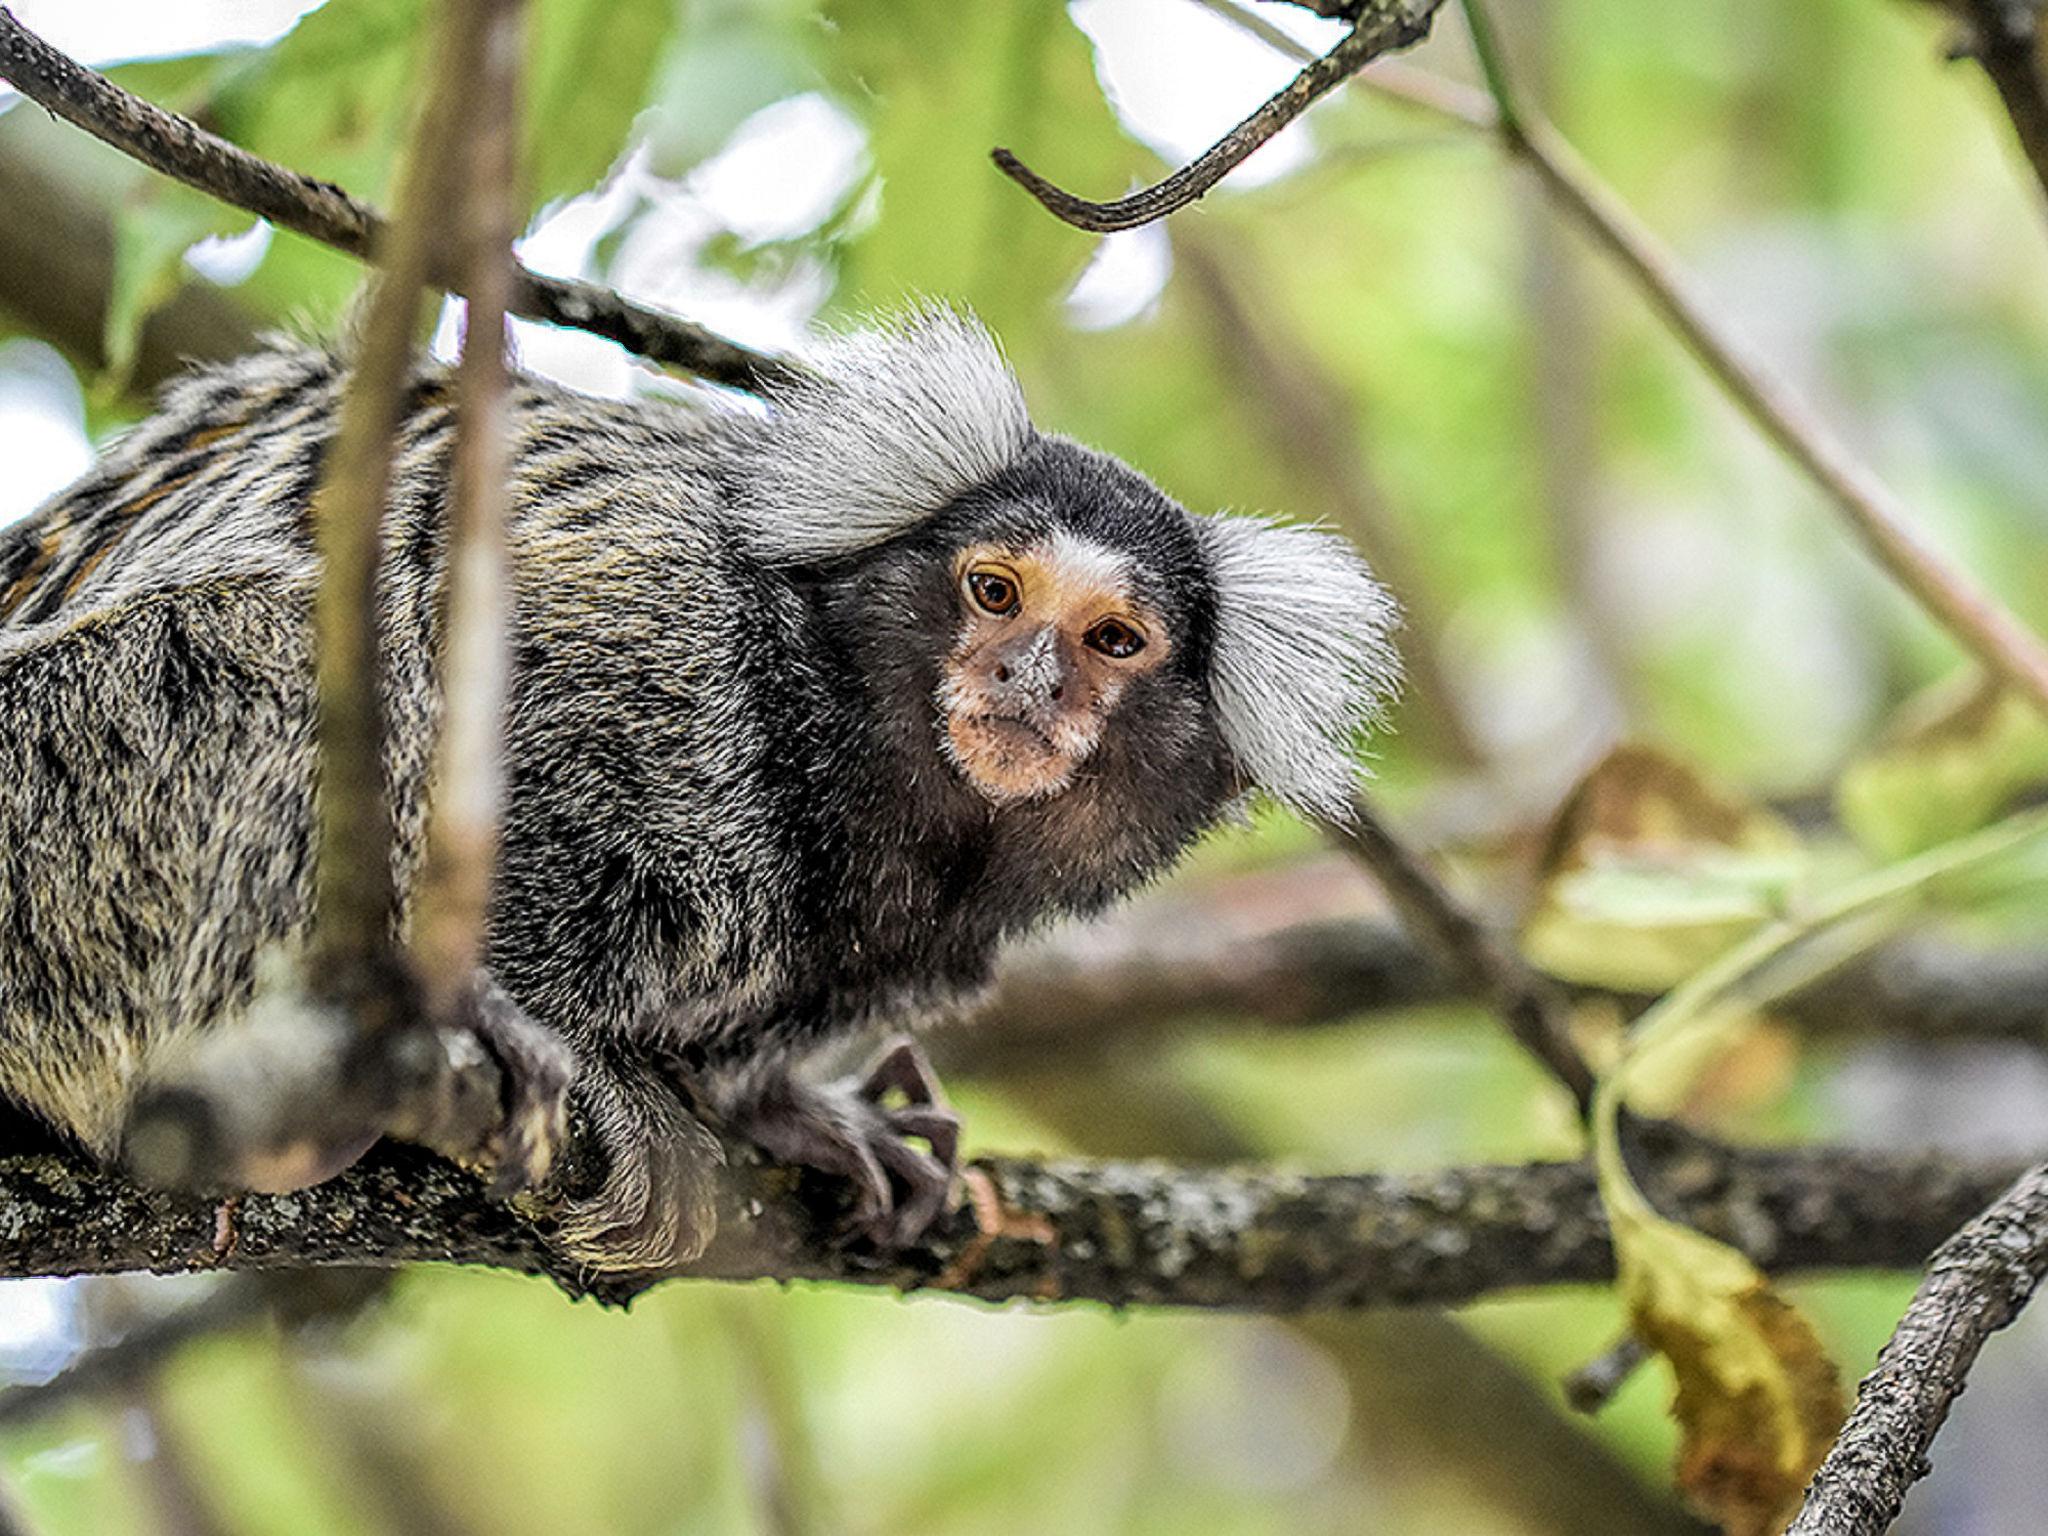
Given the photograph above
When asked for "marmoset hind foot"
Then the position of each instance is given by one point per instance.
(851, 1129)
(656, 1209)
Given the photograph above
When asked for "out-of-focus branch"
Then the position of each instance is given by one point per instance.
(1533, 1008)
(468, 779)
(136, 1353)
(1975, 1285)
(1300, 947)
(180, 149)
(1874, 514)
(1306, 413)
(1122, 1233)
(1378, 27)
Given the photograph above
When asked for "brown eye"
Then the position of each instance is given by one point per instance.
(1113, 637)
(995, 591)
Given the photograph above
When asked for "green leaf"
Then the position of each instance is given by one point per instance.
(1955, 757)
(332, 98)
(1756, 1399)
(589, 63)
(1015, 74)
(158, 223)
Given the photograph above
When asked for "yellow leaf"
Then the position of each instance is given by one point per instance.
(1758, 1401)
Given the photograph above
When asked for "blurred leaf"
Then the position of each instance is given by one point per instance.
(1649, 872)
(1757, 1402)
(588, 67)
(950, 224)
(732, 59)
(1954, 758)
(153, 229)
(333, 97)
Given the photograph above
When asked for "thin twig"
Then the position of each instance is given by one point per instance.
(182, 150)
(1976, 1284)
(1593, 1385)
(1534, 1010)
(1382, 28)
(468, 780)
(1978, 622)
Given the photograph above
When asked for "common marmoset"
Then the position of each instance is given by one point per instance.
(811, 708)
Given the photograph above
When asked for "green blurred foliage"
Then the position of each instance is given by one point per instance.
(1598, 545)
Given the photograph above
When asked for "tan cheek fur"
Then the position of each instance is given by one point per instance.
(1066, 587)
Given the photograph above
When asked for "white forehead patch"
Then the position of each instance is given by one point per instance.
(893, 424)
(1303, 659)
(1078, 562)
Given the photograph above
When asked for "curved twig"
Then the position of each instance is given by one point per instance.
(1975, 1286)
(1381, 30)
(179, 148)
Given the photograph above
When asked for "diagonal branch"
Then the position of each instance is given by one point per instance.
(1874, 513)
(1975, 1285)
(1535, 1011)
(182, 150)
(1379, 28)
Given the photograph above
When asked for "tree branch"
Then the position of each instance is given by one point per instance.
(1301, 947)
(1975, 1285)
(450, 907)
(182, 150)
(1121, 1233)
(1489, 967)
(1874, 514)
(1380, 26)
(57, 272)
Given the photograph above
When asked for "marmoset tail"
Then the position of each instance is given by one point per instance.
(812, 708)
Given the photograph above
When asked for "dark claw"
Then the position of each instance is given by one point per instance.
(934, 1124)
(537, 1069)
(847, 1130)
(902, 1065)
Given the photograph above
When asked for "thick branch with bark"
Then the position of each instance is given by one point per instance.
(182, 150)
(1121, 1233)
(1975, 1286)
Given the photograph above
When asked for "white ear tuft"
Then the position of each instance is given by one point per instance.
(1303, 660)
(894, 423)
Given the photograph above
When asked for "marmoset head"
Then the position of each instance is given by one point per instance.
(1042, 618)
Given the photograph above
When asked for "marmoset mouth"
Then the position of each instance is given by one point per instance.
(1011, 727)
(1008, 758)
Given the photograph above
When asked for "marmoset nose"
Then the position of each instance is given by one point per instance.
(1030, 673)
